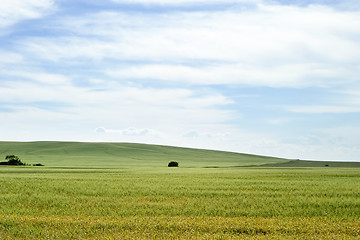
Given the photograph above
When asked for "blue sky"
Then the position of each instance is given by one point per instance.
(277, 78)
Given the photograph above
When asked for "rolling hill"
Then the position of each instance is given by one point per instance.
(305, 163)
(90, 154)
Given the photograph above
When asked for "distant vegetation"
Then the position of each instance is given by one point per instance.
(13, 160)
(173, 164)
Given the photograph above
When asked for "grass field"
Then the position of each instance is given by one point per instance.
(72, 154)
(152, 201)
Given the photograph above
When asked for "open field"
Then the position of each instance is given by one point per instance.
(156, 202)
(150, 203)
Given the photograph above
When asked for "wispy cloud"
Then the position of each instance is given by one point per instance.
(131, 131)
(184, 2)
(316, 109)
(196, 134)
(7, 57)
(13, 11)
(272, 46)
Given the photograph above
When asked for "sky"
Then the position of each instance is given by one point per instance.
(269, 77)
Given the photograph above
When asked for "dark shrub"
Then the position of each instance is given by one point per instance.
(13, 160)
(38, 164)
(173, 164)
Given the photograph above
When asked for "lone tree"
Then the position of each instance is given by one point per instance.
(173, 164)
(12, 160)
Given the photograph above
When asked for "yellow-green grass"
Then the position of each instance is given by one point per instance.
(162, 227)
(80, 154)
(125, 191)
(179, 203)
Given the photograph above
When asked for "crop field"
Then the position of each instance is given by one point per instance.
(189, 202)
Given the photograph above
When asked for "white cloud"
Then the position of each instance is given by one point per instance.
(131, 131)
(334, 143)
(183, 2)
(13, 11)
(117, 95)
(7, 57)
(272, 45)
(196, 134)
(288, 75)
(40, 77)
(344, 136)
(278, 121)
(116, 106)
(321, 109)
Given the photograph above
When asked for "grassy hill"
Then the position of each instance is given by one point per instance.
(81, 154)
(303, 163)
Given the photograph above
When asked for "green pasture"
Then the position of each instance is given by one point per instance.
(79, 154)
(144, 199)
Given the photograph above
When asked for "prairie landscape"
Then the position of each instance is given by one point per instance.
(126, 191)
(87, 88)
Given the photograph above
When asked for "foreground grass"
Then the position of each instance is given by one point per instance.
(192, 203)
(55, 227)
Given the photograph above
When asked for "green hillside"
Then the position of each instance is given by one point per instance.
(303, 163)
(81, 154)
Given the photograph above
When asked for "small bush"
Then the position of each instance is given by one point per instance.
(12, 160)
(173, 164)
